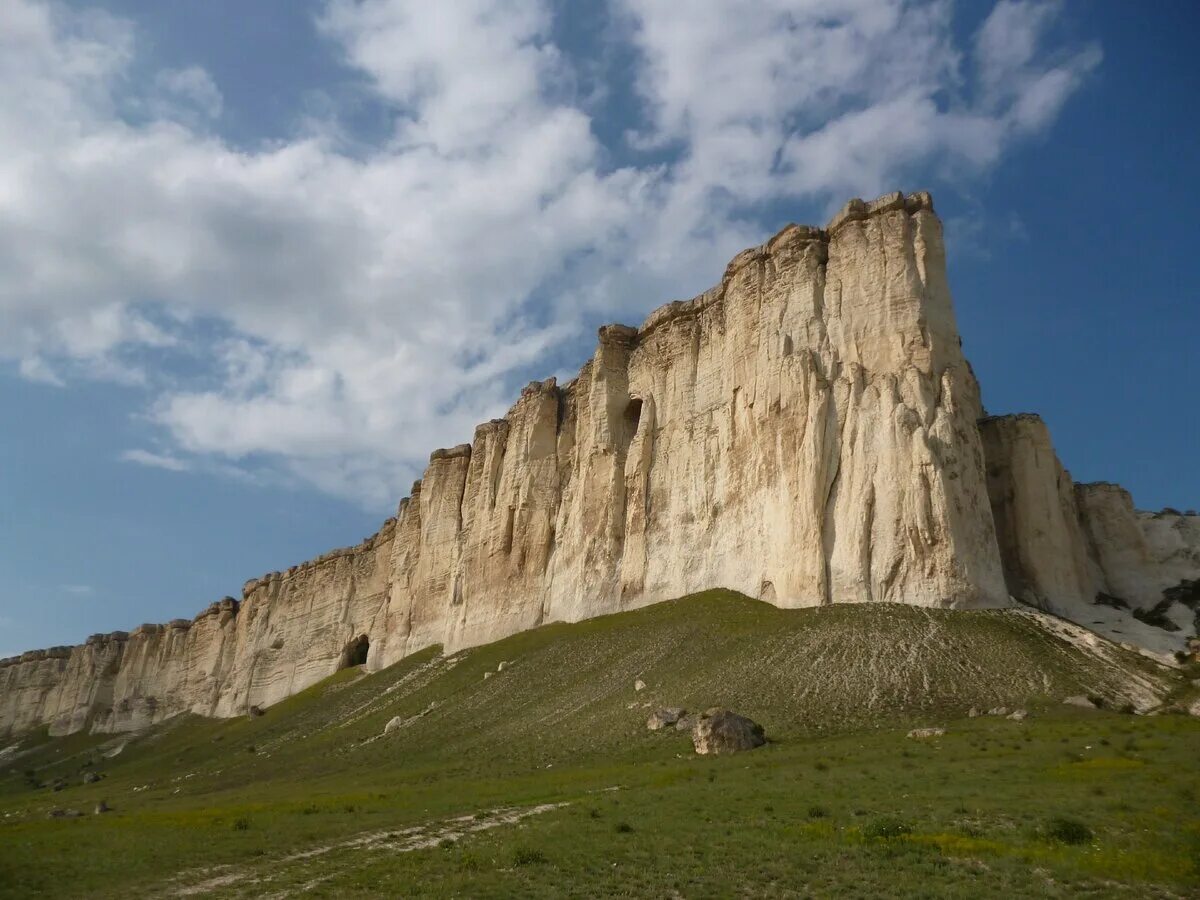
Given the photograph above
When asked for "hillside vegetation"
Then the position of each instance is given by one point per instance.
(524, 767)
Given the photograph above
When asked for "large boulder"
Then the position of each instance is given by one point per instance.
(665, 717)
(724, 731)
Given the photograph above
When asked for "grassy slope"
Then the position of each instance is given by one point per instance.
(836, 689)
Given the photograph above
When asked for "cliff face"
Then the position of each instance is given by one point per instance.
(805, 432)
(1081, 550)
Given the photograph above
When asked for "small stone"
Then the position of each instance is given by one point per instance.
(1018, 715)
(639, 685)
(102, 807)
(686, 723)
(487, 675)
(924, 734)
(503, 665)
(974, 713)
(998, 711)
(91, 777)
(393, 723)
(1079, 700)
(665, 717)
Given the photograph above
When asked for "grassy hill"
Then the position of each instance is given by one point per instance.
(538, 778)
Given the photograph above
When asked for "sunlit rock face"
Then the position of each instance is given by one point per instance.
(806, 432)
(1082, 551)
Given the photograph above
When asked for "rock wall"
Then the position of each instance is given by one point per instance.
(805, 432)
(1082, 551)
(289, 631)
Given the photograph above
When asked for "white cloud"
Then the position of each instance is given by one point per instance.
(371, 306)
(155, 460)
(189, 90)
(34, 368)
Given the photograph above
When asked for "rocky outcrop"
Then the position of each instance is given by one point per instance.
(290, 630)
(806, 432)
(1082, 551)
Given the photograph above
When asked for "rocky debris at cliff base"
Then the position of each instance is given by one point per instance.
(1081, 701)
(665, 717)
(1017, 715)
(998, 711)
(974, 712)
(924, 734)
(720, 731)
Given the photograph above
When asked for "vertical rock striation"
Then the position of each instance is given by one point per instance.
(1082, 551)
(806, 432)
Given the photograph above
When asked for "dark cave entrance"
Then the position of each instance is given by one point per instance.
(355, 653)
(633, 415)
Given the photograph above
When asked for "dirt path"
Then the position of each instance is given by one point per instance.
(256, 879)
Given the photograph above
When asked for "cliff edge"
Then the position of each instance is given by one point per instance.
(807, 432)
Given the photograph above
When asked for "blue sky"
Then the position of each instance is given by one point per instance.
(257, 260)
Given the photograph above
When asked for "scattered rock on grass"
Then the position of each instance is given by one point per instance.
(1018, 715)
(102, 807)
(998, 711)
(393, 723)
(924, 734)
(639, 685)
(91, 777)
(724, 731)
(664, 717)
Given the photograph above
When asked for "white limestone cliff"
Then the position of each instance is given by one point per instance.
(1081, 551)
(805, 432)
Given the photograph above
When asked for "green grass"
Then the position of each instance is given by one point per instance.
(839, 802)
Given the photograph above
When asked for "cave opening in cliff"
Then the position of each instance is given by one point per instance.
(355, 653)
(633, 415)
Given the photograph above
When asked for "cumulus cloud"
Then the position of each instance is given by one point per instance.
(342, 312)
